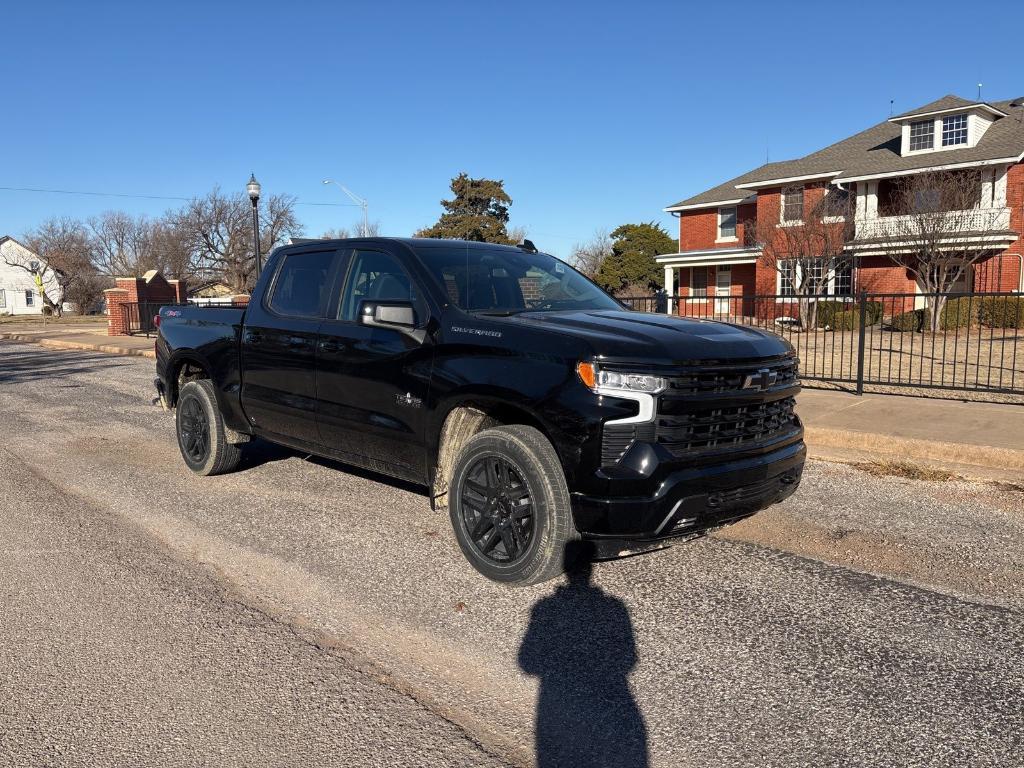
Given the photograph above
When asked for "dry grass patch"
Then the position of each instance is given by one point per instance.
(907, 470)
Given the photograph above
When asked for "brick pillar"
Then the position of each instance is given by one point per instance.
(180, 290)
(117, 317)
(240, 300)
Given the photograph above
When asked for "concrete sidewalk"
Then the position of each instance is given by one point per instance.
(92, 336)
(978, 440)
(984, 440)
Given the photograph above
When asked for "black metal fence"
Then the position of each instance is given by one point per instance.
(139, 316)
(952, 341)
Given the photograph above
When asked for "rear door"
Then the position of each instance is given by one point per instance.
(372, 382)
(279, 346)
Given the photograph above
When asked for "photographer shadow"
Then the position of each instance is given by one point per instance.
(580, 644)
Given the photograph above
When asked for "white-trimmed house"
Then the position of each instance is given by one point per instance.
(19, 292)
(719, 261)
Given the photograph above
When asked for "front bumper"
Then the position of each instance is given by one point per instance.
(693, 499)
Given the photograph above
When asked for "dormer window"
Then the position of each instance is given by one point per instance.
(922, 135)
(954, 130)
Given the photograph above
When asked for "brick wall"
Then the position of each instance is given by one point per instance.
(151, 287)
(698, 230)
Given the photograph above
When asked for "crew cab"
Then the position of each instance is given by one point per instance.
(532, 405)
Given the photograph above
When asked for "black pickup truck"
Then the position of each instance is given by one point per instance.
(533, 406)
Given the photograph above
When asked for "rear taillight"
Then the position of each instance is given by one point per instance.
(156, 320)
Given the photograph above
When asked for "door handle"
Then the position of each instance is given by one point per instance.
(254, 337)
(330, 346)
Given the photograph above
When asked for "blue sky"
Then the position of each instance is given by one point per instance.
(594, 114)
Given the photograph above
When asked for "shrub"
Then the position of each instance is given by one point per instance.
(848, 320)
(829, 312)
(908, 321)
(959, 313)
(1002, 311)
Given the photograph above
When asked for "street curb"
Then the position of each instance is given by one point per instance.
(60, 344)
(828, 443)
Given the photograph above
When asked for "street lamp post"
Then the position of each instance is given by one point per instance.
(358, 201)
(253, 188)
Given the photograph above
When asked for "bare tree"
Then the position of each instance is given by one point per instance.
(807, 247)
(370, 229)
(217, 231)
(932, 223)
(587, 257)
(64, 267)
(122, 244)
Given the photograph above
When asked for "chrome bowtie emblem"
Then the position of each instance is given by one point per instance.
(763, 379)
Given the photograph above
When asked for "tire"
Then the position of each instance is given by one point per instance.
(202, 438)
(504, 537)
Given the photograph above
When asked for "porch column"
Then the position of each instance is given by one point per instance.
(999, 192)
(670, 289)
(986, 190)
(872, 200)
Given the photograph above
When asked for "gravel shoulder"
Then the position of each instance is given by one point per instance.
(116, 653)
(745, 654)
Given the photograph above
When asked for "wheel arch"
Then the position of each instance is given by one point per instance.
(461, 417)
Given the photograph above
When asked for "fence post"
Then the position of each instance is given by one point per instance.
(860, 341)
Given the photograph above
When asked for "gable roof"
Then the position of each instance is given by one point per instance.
(949, 101)
(875, 152)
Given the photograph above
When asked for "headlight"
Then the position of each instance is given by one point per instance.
(617, 381)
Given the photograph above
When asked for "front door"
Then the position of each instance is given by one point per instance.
(279, 344)
(723, 289)
(372, 382)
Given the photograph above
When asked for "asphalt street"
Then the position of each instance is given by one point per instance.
(301, 612)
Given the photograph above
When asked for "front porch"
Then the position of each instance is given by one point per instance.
(711, 283)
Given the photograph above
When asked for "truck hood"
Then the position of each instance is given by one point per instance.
(642, 335)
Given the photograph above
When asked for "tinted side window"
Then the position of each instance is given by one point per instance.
(376, 276)
(302, 285)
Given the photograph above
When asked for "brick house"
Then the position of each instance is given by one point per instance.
(718, 256)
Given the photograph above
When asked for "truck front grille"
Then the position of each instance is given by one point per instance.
(718, 429)
(727, 379)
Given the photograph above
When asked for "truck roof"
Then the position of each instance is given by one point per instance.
(413, 242)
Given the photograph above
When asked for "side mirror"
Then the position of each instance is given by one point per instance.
(398, 315)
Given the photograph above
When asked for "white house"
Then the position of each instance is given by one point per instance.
(19, 294)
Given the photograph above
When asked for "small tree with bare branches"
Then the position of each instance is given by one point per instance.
(932, 224)
(587, 257)
(808, 248)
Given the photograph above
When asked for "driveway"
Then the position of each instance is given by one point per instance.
(298, 612)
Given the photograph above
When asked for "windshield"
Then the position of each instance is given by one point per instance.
(503, 281)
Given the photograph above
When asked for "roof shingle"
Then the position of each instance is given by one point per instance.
(876, 151)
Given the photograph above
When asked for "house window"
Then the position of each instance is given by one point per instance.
(726, 223)
(837, 202)
(3, 298)
(842, 280)
(34, 266)
(793, 204)
(922, 135)
(30, 299)
(822, 278)
(954, 130)
(787, 278)
(699, 282)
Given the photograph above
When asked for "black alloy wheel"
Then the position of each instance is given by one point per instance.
(497, 509)
(195, 430)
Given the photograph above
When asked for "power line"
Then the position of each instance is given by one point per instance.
(141, 197)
